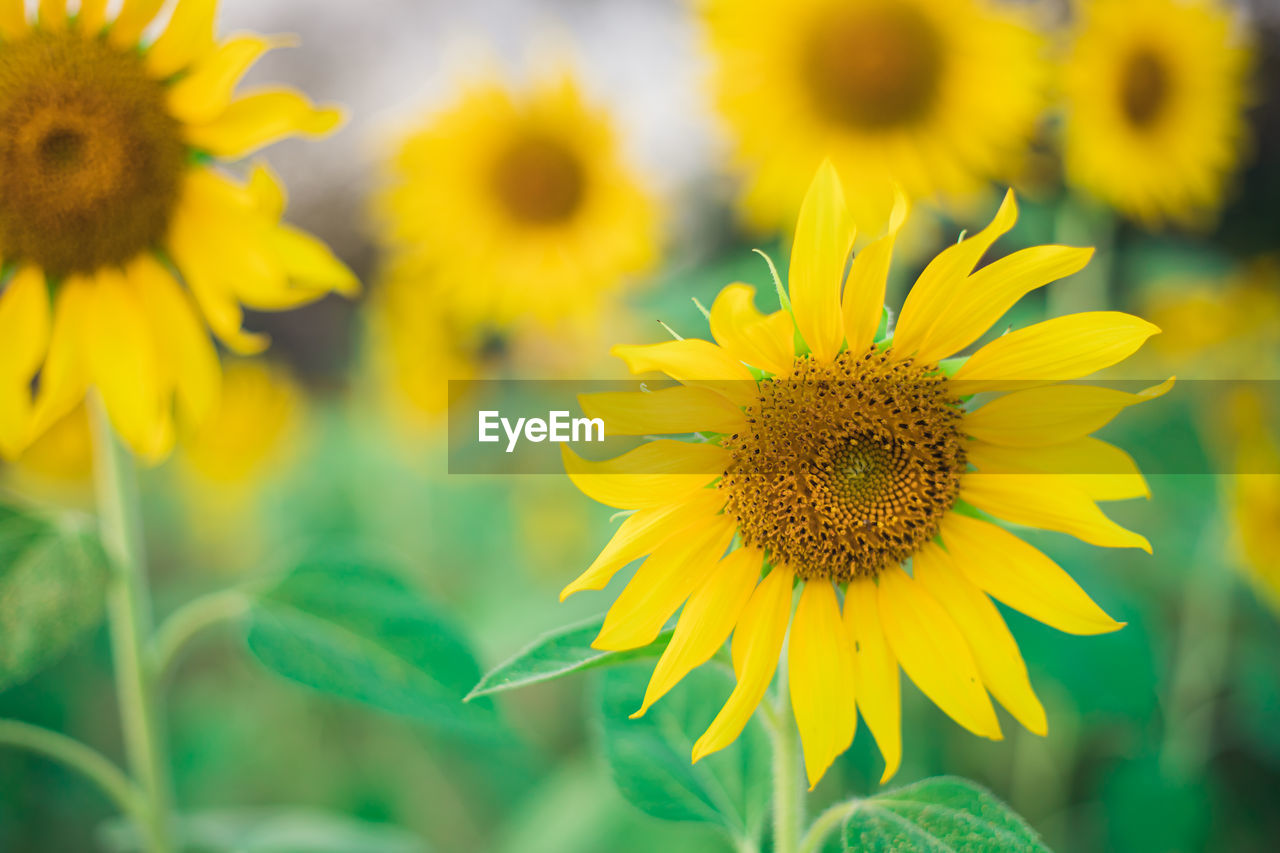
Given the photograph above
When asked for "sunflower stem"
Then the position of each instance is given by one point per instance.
(1080, 223)
(1200, 659)
(129, 621)
(185, 623)
(788, 793)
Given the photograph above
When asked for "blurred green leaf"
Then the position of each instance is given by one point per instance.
(273, 831)
(1150, 807)
(651, 756)
(353, 629)
(53, 576)
(941, 815)
(558, 653)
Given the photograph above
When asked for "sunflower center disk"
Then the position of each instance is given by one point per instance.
(90, 159)
(846, 468)
(1145, 89)
(539, 181)
(874, 68)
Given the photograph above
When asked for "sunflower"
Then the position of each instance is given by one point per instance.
(525, 199)
(1253, 494)
(122, 243)
(832, 461)
(935, 96)
(1155, 97)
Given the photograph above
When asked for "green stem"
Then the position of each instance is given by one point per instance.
(1080, 223)
(183, 624)
(1200, 659)
(826, 824)
(129, 619)
(88, 762)
(788, 793)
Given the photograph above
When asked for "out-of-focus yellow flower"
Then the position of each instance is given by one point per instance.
(58, 465)
(1155, 95)
(508, 207)
(935, 96)
(1218, 328)
(839, 459)
(1254, 494)
(251, 430)
(125, 244)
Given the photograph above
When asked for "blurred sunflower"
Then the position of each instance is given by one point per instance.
(1155, 96)
(833, 459)
(935, 96)
(120, 239)
(226, 465)
(526, 199)
(1253, 494)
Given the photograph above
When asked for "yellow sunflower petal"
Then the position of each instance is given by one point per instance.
(643, 531)
(820, 673)
(183, 338)
(666, 411)
(1049, 502)
(65, 375)
(134, 16)
(706, 622)
(1014, 572)
(124, 365)
(989, 293)
(202, 95)
(260, 119)
(875, 672)
(1102, 471)
(655, 473)
(930, 297)
(13, 18)
(934, 653)
(1053, 414)
(662, 583)
(24, 324)
(52, 15)
(823, 240)
(309, 264)
(1062, 348)
(863, 302)
(267, 191)
(186, 39)
(757, 643)
(92, 16)
(994, 649)
(751, 337)
(693, 362)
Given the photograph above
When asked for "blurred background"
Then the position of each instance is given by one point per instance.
(1163, 737)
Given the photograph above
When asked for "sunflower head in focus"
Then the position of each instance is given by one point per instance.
(933, 96)
(1155, 96)
(123, 244)
(509, 207)
(860, 471)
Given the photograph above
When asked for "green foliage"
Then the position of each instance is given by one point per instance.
(558, 653)
(941, 815)
(650, 756)
(53, 576)
(353, 629)
(274, 831)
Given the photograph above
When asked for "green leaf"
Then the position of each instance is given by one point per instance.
(941, 815)
(558, 653)
(53, 577)
(288, 830)
(353, 629)
(650, 756)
